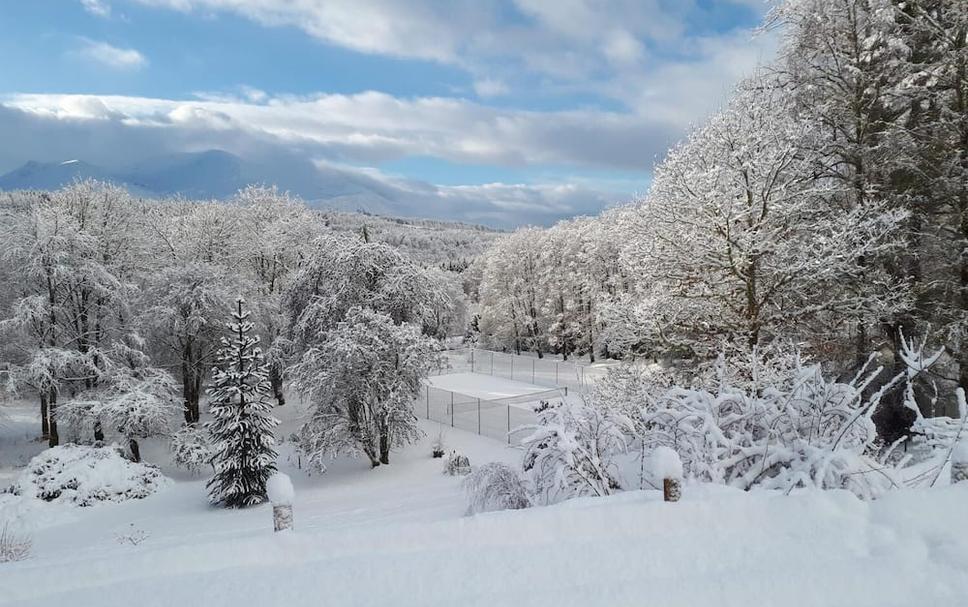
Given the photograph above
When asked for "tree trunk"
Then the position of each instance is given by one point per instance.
(53, 437)
(44, 419)
(98, 432)
(191, 386)
(275, 380)
(135, 450)
(384, 446)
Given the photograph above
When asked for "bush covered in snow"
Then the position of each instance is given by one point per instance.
(191, 448)
(571, 449)
(14, 546)
(83, 476)
(803, 430)
(496, 486)
(456, 464)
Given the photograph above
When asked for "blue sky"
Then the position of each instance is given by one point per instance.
(565, 104)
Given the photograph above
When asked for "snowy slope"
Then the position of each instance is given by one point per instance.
(397, 535)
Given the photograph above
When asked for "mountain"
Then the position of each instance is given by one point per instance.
(214, 174)
(209, 174)
(52, 175)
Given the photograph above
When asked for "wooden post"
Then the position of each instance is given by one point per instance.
(281, 517)
(451, 409)
(509, 424)
(959, 462)
(671, 489)
(478, 416)
(280, 493)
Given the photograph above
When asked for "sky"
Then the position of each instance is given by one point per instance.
(522, 110)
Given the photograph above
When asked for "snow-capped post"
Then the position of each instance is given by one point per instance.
(280, 492)
(667, 466)
(959, 462)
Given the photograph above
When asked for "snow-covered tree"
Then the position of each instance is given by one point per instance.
(244, 456)
(738, 240)
(134, 401)
(361, 380)
(341, 273)
(182, 316)
(510, 293)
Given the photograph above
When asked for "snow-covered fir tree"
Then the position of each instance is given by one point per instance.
(241, 427)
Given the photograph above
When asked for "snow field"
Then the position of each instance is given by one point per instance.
(717, 547)
(398, 534)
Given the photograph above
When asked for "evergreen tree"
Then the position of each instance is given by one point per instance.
(241, 426)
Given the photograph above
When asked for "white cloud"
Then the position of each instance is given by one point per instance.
(623, 48)
(99, 8)
(489, 87)
(111, 56)
(371, 127)
(583, 44)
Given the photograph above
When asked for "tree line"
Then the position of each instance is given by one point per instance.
(824, 208)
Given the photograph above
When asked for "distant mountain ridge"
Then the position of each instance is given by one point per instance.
(217, 174)
(208, 174)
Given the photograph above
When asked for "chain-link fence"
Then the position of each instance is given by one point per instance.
(497, 418)
(538, 371)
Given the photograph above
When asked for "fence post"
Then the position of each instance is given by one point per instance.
(478, 416)
(532, 370)
(509, 424)
(472, 360)
(512, 366)
(451, 409)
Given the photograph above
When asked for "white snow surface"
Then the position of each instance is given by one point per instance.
(397, 535)
(665, 463)
(279, 489)
(959, 454)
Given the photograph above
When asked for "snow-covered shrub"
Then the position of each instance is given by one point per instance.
(457, 464)
(570, 451)
(14, 546)
(133, 536)
(83, 476)
(437, 447)
(191, 448)
(795, 430)
(495, 486)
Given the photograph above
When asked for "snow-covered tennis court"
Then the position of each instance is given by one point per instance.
(485, 387)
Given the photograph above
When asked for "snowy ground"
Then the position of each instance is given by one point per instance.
(397, 535)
